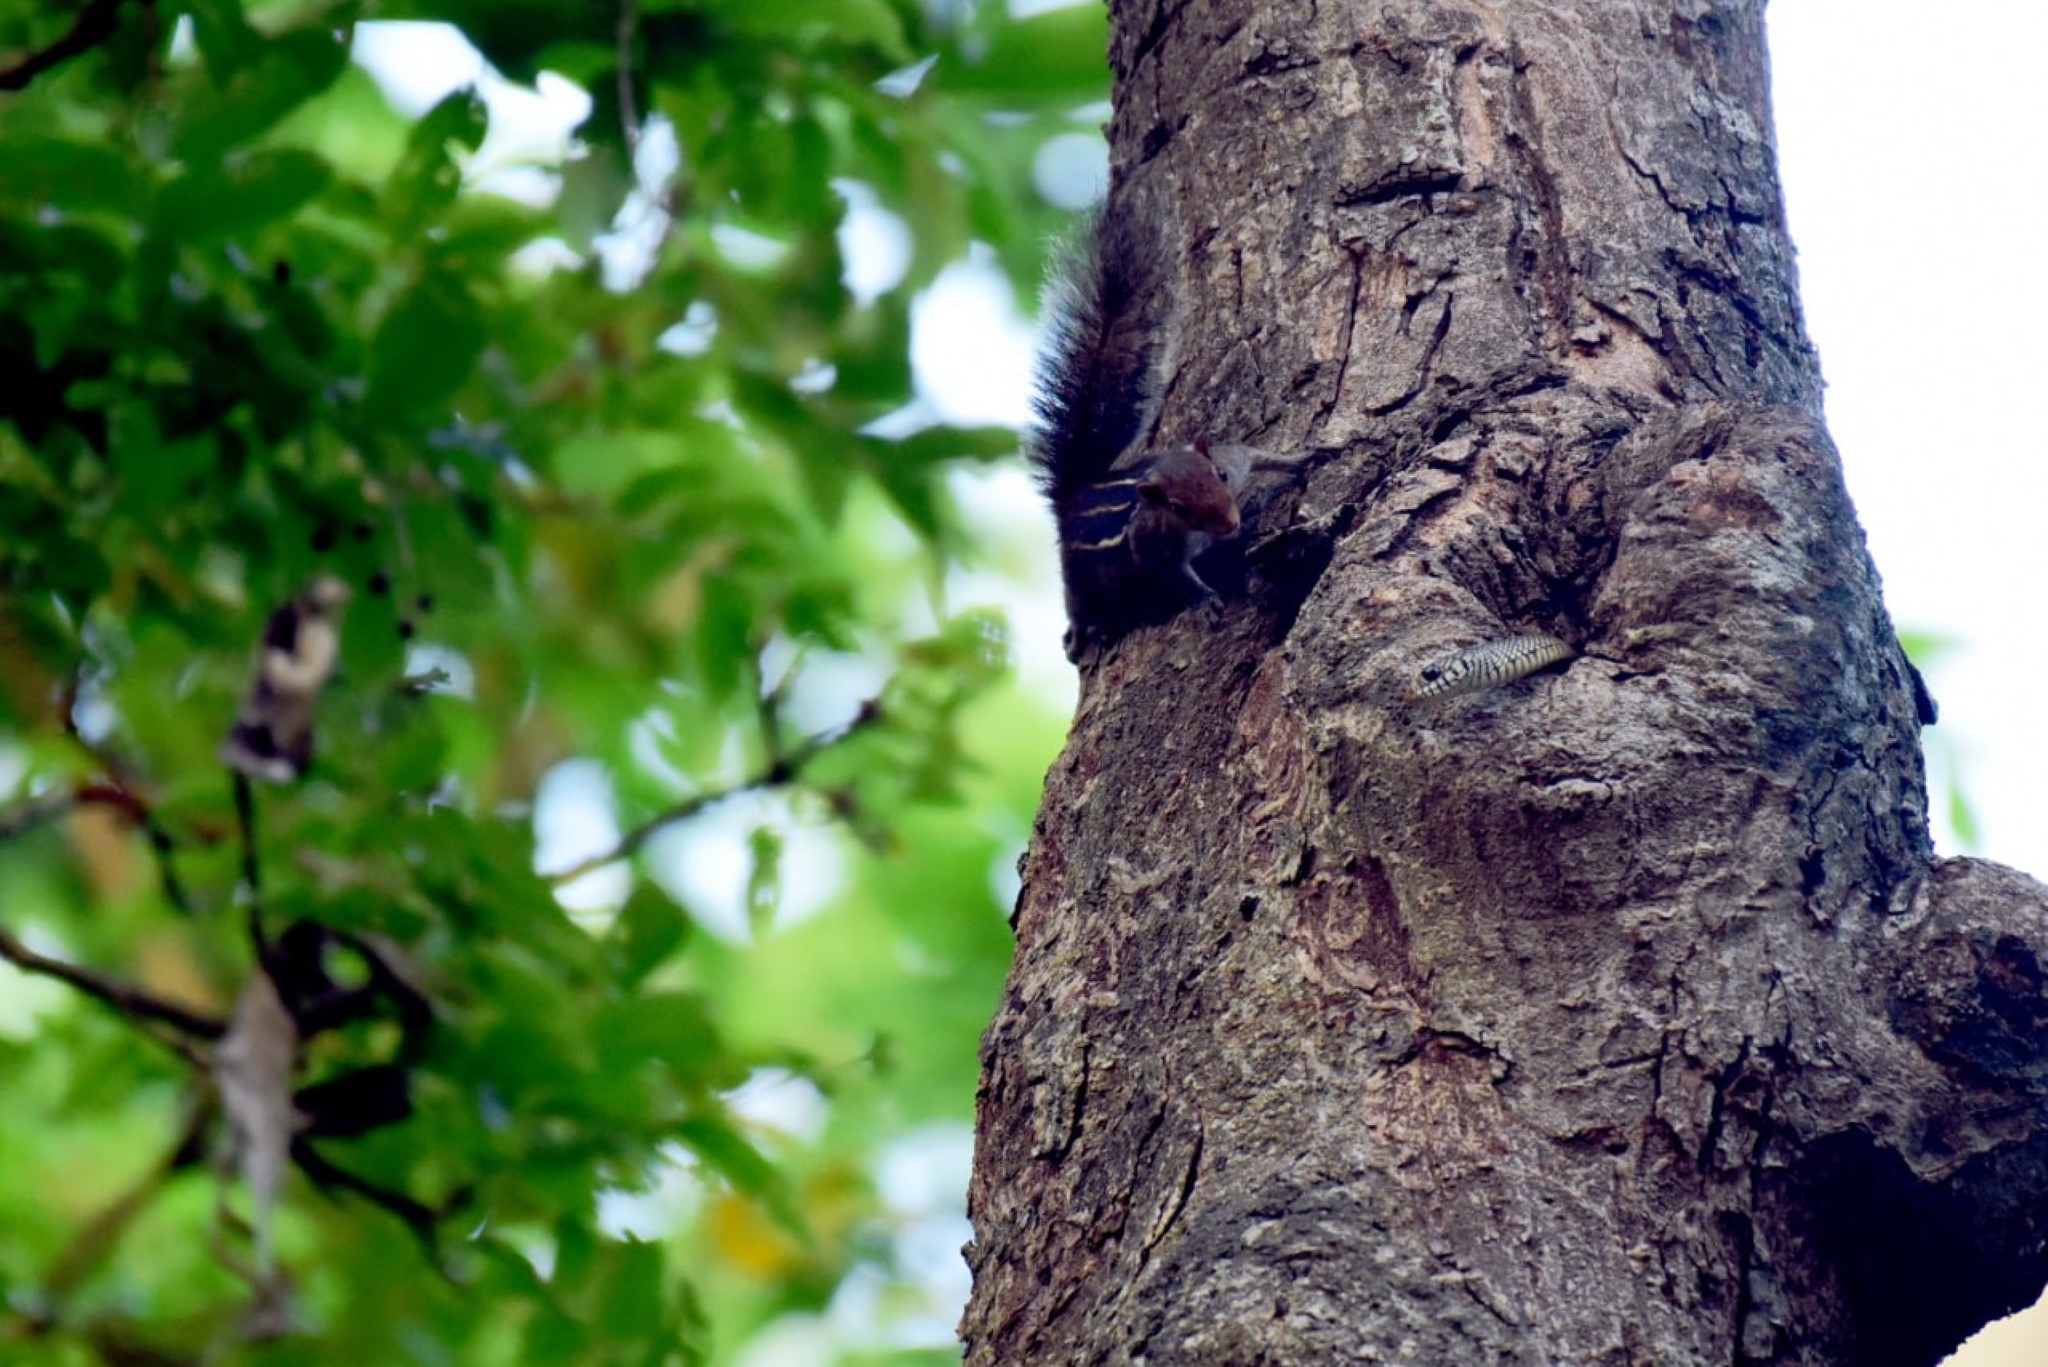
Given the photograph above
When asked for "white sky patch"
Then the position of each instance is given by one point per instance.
(706, 863)
(674, 1190)
(647, 740)
(791, 1341)
(576, 816)
(903, 82)
(971, 346)
(1071, 170)
(925, 1171)
(928, 1255)
(544, 255)
(630, 249)
(1017, 571)
(533, 127)
(694, 335)
(907, 421)
(874, 243)
(816, 377)
(746, 249)
(417, 65)
(1004, 882)
(427, 657)
(1915, 184)
(820, 689)
(25, 998)
(778, 1100)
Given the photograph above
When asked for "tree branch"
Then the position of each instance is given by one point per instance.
(95, 24)
(119, 790)
(129, 1001)
(420, 1219)
(785, 766)
(44, 808)
(252, 873)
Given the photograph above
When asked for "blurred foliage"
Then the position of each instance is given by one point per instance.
(598, 461)
(1931, 651)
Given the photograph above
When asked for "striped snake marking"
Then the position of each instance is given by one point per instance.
(1489, 665)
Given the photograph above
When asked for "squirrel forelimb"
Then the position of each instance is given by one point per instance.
(1128, 543)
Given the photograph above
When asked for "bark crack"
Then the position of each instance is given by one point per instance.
(1717, 1105)
(1344, 348)
(1549, 263)
(1429, 354)
(1182, 1195)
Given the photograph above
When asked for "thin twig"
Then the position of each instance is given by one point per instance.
(161, 845)
(94, 25)
(37, 811)
(768, 714)
(252, 876)
(423, 683)
(120, 790)
(629, 118)
(420, 1219)
(129, 1001)
(781, 770)
(44, 808)
(119, 793)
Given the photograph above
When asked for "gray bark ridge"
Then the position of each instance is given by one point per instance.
(1617, 1015)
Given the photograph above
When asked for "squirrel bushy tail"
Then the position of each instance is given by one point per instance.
(1132, 516)
(1109, 322)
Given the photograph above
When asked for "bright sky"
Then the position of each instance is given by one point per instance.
(1911, 144)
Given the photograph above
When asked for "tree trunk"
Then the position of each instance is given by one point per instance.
(1616, 1015)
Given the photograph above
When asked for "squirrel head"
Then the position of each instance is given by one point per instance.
(1187, 483)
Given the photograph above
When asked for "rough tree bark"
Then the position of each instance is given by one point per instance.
(1619, 1015)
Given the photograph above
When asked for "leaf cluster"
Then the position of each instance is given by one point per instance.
(602, 463)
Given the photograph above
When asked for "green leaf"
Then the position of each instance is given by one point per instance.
(81, 177)
(605, 464)
(224, 37)
(262, 330)
(650, 928)
(234, 196)
(258, 86)
(428, 177)
(672, 1028)
(1962, 818)
(425, 348)
(1060, 55)
(154, 473)
(713, 1138)
(630, 1304)
(764, 882)
(1927, 648)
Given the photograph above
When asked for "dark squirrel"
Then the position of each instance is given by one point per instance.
(1131, 520)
